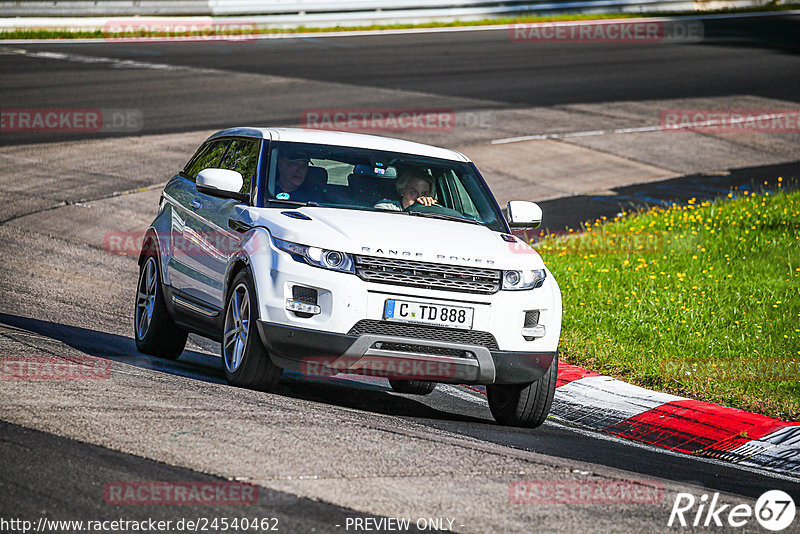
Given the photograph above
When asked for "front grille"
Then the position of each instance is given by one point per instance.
(428, 275)
(423, 349)
(419, 332)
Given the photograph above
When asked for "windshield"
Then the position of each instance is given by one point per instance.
(374, 180)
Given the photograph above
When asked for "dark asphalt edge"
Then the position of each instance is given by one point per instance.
(570, 455)
(72, 202)
(45, 475)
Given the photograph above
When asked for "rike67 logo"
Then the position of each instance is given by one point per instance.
(774, 510)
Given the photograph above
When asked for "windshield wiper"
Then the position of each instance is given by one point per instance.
(443, 216)
(293, 202)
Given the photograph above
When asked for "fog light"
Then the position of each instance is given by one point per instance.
(302, 307)
(533, 331)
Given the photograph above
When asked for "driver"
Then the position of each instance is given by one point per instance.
(291, 181)
(415, 185)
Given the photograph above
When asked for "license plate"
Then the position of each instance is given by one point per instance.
(406, 311)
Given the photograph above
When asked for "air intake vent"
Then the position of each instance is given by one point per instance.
(420, 332)
(423, 349)
(531, 318)
(296, 215)
(306, 295)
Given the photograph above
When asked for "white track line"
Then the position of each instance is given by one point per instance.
(680, 126)
(79, 58)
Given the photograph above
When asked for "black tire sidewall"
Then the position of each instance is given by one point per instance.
(524, 405)
(159, 309)
(163, 337)
(413, 387)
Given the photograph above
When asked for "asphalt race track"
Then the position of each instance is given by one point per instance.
(461, 70)
(325, 453)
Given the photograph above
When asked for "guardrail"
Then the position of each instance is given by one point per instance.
(325, 13)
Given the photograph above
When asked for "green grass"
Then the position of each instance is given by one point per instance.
(700, 300)
(101, 34)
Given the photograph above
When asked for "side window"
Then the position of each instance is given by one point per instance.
(337, 171)
(467, 206)
(242, 156)
(209, 157)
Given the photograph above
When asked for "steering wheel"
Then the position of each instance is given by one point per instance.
(436, 208)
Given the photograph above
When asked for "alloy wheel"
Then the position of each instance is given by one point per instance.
(237, 327)
(146, 298)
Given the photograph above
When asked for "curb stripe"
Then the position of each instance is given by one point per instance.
(779, 451)
(568, 373)
(693, 427)
(675, 423)
(601, 401)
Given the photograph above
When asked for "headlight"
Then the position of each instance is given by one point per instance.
(318, 257)
(529, 279)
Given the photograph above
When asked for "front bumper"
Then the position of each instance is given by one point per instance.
(317, 352)
(344, 299)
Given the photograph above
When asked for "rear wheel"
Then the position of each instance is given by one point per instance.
(156, 333)
(414, 387)
(247, 363)
(525, 405)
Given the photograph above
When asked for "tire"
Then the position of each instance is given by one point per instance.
(246, 361)
(414, 387)
(524, 405)
(155, 332)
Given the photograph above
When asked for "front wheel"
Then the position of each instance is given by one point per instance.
(247, 363)
(525, 405)
(156, 333)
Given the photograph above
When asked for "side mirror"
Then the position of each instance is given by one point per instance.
(524, 215)
(220, 182)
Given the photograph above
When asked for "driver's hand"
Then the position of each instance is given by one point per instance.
(426, 201)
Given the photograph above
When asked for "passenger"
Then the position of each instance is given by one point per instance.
(415, 185)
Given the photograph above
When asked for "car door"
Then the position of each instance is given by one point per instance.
(184, 202)
(209, 228)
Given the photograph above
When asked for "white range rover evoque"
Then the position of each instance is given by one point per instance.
(329, 252)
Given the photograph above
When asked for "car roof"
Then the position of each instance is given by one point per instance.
(348, 139)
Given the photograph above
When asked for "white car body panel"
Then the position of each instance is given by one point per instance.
(344, 298)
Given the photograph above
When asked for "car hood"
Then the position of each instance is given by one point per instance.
(396, 235)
